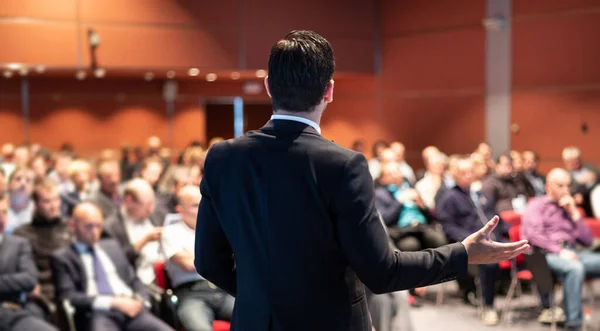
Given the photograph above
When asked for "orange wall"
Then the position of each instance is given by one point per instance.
(433, 75)
(180, 34)
(96, 114)
(556, 77)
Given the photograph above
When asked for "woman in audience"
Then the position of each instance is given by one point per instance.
(433, 179)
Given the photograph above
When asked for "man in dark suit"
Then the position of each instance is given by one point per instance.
(287, 222)
(96, 278)
(18, 276)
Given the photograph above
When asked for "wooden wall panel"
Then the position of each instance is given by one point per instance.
(197, 13)
(38, 43)
(453, 123)
(542, 7)
(557, 51)
(552, 120)
(450, 60)
(156, 47)
(400, 17)
(39, 9)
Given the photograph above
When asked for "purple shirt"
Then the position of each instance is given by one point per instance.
(550, 227)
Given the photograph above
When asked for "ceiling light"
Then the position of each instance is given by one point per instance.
(193, 72)
(261, 73)
(80, 74)
(13, 66)
(235, 75)
(211, 77)
(40, 69)
(100, 72)
(23, 71)
(148, 76)
(7, 73)
(170, 74)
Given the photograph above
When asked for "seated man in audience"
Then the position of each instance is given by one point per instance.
(80, 174)
(554, 224)
(18, 277)
(108, 197)
(518, 174)
(138, 229)
(501, 187)
(199, 302)
(433, 179)
(461, 211)
(584, 177)
(95, 276)
(20, 210)
(530, 165)
(404, 213)
(46, 233)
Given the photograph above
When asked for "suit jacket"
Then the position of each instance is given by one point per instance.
(287, 225)
(114, 227)
(70, 280)
(18, 273)
(104, 202)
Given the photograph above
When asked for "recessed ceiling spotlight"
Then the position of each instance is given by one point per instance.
(194, 72)
(235, 75)
(170, 74)
(211, 77)
(261, 73)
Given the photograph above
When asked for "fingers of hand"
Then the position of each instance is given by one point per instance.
(511, 245)
(490, 226)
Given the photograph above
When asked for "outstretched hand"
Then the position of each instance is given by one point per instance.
(482, 250)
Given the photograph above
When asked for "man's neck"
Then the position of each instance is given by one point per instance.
(314, 116)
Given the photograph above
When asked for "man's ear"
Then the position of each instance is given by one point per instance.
(267, 86)
(328, 97)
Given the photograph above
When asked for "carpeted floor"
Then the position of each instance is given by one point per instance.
(454, 315)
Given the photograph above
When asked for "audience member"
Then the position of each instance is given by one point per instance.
(406, 170)
(199, 301)
(109, 196)
(530, 165)
(20, 210)
(379, 148)
(501, 187)
(46, 233)
(138, 229)
(19, 277)
(80, 174)
(554, 224)
(95, 276)
(433, 179)
(404, 212)
(584, 177)
(461, 211)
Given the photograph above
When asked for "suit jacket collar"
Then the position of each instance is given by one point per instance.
(288, 126)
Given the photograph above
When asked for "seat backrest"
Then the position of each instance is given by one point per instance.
(511, 217)
(160, 275)
(514, 233)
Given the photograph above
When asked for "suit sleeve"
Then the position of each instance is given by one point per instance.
(364, 242)
(213, 256)
(64, 286)
(26, 277)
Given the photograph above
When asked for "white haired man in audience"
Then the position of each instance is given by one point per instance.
(199, 301)
(407, 171)
(584, 177)
(138, 228)
(21, 208)
(555, 225)
(433, 179)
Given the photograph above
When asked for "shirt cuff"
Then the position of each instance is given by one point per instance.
(102, 303)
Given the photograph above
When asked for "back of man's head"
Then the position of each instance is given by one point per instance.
(300, 67)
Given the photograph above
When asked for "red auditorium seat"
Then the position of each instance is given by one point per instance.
(161, 281)
(511, 217)
(594, 225)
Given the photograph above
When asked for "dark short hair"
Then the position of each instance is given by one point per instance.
(300, 67)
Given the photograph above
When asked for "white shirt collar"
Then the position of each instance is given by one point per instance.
(297, 119)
